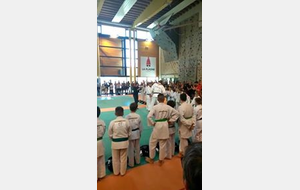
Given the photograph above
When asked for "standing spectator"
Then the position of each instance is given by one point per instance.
(199, 88)
(135, 89)
(111, 88)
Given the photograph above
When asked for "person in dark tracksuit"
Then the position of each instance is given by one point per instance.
(135, 89)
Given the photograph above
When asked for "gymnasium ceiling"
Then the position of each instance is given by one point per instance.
(142, 13)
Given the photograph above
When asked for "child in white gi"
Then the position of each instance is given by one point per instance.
(134, 139)
(197, 132)
(100, 148)
(163, 114)
(119, 131)
(172, 130)
(186, 123)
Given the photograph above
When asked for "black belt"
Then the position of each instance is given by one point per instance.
(99, 138)
(120, 139)
(199, 119)
(135, 129)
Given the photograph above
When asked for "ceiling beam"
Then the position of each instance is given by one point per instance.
(173, 11)
(100, 22)
(126, 6)
(188, 14)
(153, 8)
(99, 6)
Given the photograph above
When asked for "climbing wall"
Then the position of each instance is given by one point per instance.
(166, 43)
(190, 51)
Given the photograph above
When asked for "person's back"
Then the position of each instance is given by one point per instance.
(100, 148)
(136, 131)
(162, 114)
(197, 136)
(172, 131)
(119, 131)
(186, 123)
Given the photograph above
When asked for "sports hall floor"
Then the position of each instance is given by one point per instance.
(144, 176)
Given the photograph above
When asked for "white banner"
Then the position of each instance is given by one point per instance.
(148, 66)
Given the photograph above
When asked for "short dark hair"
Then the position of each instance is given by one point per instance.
(161, 97)
(119, 111)
(183, 97)
(192, 166)
(98, 111)
(198, 100)
(171, 103)
(133, 107)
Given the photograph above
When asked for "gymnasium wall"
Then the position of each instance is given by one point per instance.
(168, 69)
(148, 49)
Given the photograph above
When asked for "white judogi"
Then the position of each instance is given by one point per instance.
(172, 95)
(148, 97)
(119, 131)
(162, 88)
(171, 141)
(188, 99)
(143, 91)
(134, 139)
(162, 114)
(177, 99)
(155, 90)
(197, 132)
(186, 124)
(100, 149)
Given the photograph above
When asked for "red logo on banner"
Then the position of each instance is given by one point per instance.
(148, 64)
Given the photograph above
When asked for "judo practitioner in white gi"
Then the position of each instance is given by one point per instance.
(119, 131)
(148, 96)
(163, 115)
(157, 88)
(100, 148)
(186, 123)
(172, 129)
(197, 132)
(134, 139)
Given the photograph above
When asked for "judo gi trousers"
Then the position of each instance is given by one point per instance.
(148, 105)
(197, 136)
(171, 146)
(153, 102)
(182, 145)
(101, 167)
(134, 152)
(162, 147)
(119, 160)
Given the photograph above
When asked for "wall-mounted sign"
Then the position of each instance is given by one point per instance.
(148, 66)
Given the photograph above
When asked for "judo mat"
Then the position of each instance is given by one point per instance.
(107, 105)
(147, 177)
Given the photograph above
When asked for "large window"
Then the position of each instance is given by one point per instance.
(114, 49)
(111, 57)
(113, 31)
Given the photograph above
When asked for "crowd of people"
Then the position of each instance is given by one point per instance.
(183, 108)
(148, 90)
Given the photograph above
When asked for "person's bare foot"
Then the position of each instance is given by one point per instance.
(160, 162)
(149, 160)
(180, 155)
